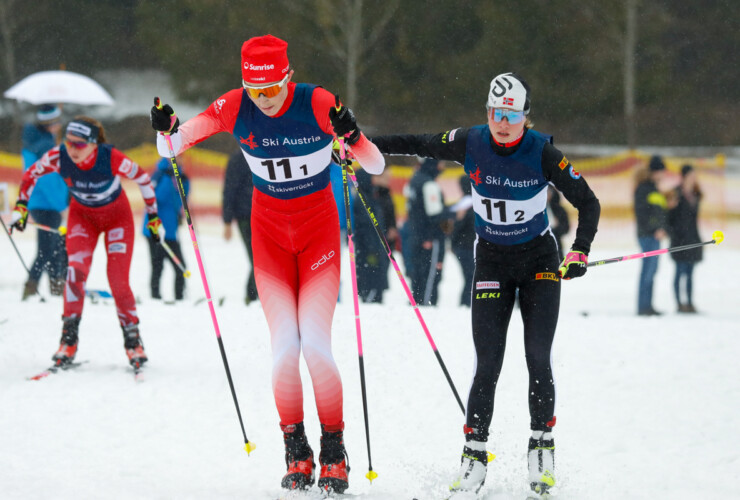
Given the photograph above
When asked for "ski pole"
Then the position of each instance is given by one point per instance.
(351, 247)
(61, 230)
(410, 296)
(174, 258)
(248, 446)
(18, 253)
(717, 238)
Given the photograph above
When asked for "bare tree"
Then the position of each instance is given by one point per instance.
(345, 35)
(7, 52)
(630, 43)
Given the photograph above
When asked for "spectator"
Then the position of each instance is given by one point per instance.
(463, 238)
(650, 213)
(426, 239)
(170, 211)
(683, 230)
(370, 256)
(560, 224)
(49, 199)
(237, 206)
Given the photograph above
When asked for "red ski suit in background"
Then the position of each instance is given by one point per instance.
(295, 232)
(98, 205)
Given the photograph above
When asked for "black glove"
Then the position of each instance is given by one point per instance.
(345, 124)
(153, 225)
(19, 217)
(161, 118)
(574, 265)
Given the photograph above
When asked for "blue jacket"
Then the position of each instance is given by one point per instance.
(168, 199)
(50, 192)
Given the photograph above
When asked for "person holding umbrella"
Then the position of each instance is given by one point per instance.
(93, 170)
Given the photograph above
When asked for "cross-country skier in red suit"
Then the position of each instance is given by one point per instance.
(286, 131)
(93, 169)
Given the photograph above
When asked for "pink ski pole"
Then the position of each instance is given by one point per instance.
(248, 446)
(717, 238)
(355, 296)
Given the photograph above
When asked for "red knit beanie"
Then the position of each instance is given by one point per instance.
(264, 60)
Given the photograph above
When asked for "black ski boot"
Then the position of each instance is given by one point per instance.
(334, 463)
(132, 344)
(68, 345)
(298, 458)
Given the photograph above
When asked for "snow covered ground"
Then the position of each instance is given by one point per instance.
(647, 407)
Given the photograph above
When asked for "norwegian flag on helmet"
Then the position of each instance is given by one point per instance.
(508, 101)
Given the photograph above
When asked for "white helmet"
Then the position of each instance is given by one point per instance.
(509, 90)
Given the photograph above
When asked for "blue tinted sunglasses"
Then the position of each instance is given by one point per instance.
(513, 117)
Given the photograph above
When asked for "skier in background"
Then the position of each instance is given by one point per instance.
(286, 131)
(93, 171)
(510, 166)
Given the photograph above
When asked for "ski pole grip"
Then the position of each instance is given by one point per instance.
(157, 103)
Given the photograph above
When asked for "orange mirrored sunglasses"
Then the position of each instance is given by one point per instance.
(268, 91)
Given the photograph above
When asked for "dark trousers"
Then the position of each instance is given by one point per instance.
(496, 281)
(685, 271)
(467, 263)
(245, 229)
(158, 255)
(647, 274)
(426, 273)
(51, 255)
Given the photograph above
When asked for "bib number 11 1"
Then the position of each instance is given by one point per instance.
(285, 164)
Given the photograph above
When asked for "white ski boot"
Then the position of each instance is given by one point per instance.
(541, 460)
(473, 467)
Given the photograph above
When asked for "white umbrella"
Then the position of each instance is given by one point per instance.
(52, 87)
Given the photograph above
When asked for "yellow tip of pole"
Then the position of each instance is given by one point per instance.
(249, 447)
(371, 475)
(718, 237)
(186, 274)
(491, 456)
(62, 230)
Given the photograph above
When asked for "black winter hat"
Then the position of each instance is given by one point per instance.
(656, 164)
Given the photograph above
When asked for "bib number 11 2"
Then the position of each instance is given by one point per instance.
(501, 206)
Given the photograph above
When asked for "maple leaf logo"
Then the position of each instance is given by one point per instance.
(475, 176)
(249, 141)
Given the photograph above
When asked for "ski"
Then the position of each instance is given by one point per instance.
(314, 494)
(220, 300)
(138, 372)
(55, 368)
